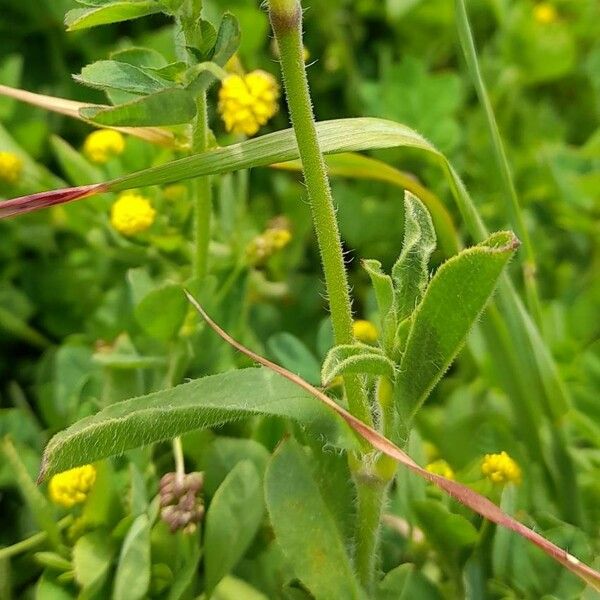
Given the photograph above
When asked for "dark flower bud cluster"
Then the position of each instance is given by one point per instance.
(181, 506)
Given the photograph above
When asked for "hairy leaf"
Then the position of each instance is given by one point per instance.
(410, 272)
(201, 403)
(386, 302)
(355, 358)
(454, 299)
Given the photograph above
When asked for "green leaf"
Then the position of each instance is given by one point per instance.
(232, 520)
(132, 578)
(232, 588)
(454, 299)
(92, 556)
(291, 353)
(304, 527)
(115, 12)
(140, 57)
(356, 358)
(410, 272)
(162, 312)
(201, 403)
(406, 583)
(122, 76)
(168, 107)
(224, 454)
(386, 303)
(446, 532)
(226, 44)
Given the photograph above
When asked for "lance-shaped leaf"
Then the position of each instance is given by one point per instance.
(114, 12)
(123, 76)
(304, 527)
(168, 107)
(410, 272)
(232, 520)
(386, 302)
(168, 413)
(454, 299)
(355, 358)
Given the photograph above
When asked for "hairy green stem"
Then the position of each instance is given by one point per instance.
(514, 208)
(371, 495)
(287, 26)
(286, 19)
(202, 193)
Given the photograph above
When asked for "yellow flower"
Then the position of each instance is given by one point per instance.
(11, 167)
(266, 244)
(544, 13)
(246, 102)
(131, 214)
(364, 331)
(175, 191)
(102, 145)
(72, 487)
(501, 468)
(440, 467)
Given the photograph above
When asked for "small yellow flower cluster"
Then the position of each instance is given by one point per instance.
(100, 146)
(440, 467)
(501, 468)
(246, 102)
(72, 487)
(132, 213)
(11, 167)
(364, 331)
(266, 244)
(544, 13)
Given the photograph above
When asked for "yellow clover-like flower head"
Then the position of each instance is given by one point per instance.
(501, 468)
(132, 213)
(11, 167)
(545, 13)
(364, 331)
(72, 487)
(440, 467)
(100, 146)
(265, 245)
(247, 102)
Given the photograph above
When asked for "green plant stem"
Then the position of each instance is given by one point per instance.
(514, 208)
(179, 460)
(287, 25)
(31, 542)
(202, 193)
(371, 495)
(33, 497)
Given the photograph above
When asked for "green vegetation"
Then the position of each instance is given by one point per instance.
(299, 303)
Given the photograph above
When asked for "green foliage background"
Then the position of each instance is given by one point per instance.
(89, 318)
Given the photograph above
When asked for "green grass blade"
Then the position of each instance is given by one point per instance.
(515, 211)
